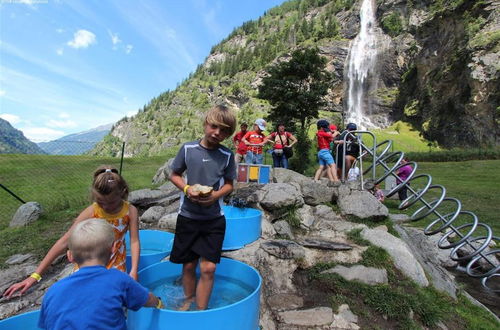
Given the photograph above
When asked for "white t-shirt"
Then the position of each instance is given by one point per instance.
(353, 174)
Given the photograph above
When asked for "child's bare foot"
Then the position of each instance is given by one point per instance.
(186, 304)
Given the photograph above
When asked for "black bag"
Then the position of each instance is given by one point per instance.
(287, 151)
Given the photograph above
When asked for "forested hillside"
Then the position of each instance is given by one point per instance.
(13, 141)
(438, 70)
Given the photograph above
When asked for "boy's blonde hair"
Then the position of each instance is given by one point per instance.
(91, 239)
(223, 117)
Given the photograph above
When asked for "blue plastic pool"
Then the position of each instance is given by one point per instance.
(26, 321)
(155, 245)
(241, 315)
(242, 227)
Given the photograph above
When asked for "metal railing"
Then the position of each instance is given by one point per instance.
(473, 249)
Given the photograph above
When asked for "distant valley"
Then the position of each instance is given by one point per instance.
(76, 144)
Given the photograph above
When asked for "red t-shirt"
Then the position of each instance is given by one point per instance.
(242, 147)
(254, 137)
(277, 142)
(324, 139)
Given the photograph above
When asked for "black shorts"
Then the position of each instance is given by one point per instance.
(198, 238)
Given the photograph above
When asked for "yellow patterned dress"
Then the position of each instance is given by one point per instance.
(120, 222)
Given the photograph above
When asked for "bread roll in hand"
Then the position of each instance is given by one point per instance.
(203, 190)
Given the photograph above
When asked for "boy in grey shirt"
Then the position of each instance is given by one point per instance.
(201, 224)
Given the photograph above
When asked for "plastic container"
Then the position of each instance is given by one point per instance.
(25, 321)
(242, 226)
(241, 315)
(155, 245)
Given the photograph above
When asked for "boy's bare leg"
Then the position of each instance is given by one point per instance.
(333, 170)
(205, 284)
(317, 175)
(188, 283)
(329, 172)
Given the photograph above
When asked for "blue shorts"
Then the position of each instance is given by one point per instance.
(325, 157)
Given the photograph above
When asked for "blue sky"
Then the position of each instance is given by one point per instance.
(67, 66)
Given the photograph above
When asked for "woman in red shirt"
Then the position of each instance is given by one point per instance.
(280, 139)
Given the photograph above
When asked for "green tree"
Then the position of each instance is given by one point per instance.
(296, 90)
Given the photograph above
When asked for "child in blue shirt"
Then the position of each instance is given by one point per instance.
(93, 297)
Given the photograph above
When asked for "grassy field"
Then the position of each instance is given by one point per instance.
(474, 183)
(61, 185)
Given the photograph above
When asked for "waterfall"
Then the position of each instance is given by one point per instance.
(362, 58)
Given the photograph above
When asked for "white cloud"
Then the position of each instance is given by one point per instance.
(114, 39)
(59, 31)
(61, 123)
(82, 39)
(60, 51)
(2, 92)
(128, 49)
(63, 115)
(13, 119)
(41, 134)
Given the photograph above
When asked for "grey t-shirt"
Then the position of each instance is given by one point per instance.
(207, 167)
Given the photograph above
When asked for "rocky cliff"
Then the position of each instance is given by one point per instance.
(437, 68)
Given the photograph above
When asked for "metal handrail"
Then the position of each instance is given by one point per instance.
(476, 245)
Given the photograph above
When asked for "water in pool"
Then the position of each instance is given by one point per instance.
(226, 291)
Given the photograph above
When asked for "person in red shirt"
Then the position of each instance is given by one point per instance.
(280, 139)
(239, 145)
(255, 140)
(325, 137)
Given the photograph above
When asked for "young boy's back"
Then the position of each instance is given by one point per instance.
(93, 297)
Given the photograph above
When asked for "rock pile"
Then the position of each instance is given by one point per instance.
(304, 223)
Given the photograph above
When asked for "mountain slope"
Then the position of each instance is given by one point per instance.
(437, 70)
(76, 144)
(13, 141)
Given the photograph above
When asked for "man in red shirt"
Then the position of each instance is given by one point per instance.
(255, 140)
(239, 145)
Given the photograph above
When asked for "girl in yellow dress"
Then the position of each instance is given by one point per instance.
(110, 193)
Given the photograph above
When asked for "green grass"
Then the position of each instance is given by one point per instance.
(474, 183)
(390, 305)
(61, 184)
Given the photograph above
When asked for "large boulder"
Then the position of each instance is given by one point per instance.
(433, 259)
(401, 254)
(313, 318)
(361, 204)
(280, 195)
(277, 273)
(153, 214)
(283, 175)
(316, 193)
(145, 198)
(163, 173)
(26, 214)
(367, 275)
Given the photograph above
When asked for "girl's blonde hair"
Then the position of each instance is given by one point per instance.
(107, 180)
(223, 117)
(91, 239)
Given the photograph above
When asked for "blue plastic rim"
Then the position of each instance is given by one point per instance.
(155, 245)
(241, 315)
(242, 227)
(25, 321)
